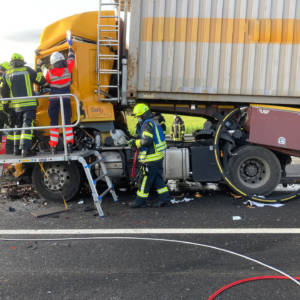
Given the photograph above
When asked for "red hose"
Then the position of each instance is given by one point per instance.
(226, 287)
(133, 170)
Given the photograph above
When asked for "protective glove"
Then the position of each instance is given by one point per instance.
(131, 143)
(69, 38)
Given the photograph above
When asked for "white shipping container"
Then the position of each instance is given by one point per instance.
(215, 50)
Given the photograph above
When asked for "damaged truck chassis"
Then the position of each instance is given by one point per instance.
(247, 142)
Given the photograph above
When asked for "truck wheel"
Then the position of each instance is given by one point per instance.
(62, 179)
(255, 170)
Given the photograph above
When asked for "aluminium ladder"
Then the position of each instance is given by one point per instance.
(114, 45)
(93, 181)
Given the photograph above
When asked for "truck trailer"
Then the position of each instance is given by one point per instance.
(235, 63)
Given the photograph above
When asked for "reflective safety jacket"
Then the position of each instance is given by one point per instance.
(177, 130)
(151, 143)
(59, 78)
(18, 82)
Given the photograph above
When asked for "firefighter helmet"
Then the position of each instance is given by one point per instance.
(56, 57)
(4, 66)
(140, 109)
(17, 56)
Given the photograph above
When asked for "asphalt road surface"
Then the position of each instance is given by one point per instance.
(139, 253)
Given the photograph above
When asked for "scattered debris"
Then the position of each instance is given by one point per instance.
(80, 202)
(11, 209)
(236, 218)
(251, 203)
(48, 211)
(236, 196)
(185, 199)
(198, 195)
(13, 191)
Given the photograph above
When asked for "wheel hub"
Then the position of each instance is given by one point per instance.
(252, 171)
(56, 177)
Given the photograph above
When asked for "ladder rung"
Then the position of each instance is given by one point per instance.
(107, 44)
(109, 86)
(111, 41)
(94, 163)
(105, 192)
(105, 25)
(109, 58)
(99, 178)
(109, 30)
(109, 72)
(108, 55)
(107, 17)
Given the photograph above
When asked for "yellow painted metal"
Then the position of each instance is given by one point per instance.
(84, 76)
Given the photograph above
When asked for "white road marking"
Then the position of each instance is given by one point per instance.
(140, 231)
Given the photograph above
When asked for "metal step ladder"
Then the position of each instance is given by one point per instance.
(88, 168)
(114, 44)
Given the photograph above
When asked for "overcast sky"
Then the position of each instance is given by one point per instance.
(22, 22)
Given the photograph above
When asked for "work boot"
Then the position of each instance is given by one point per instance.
(133, 204)
(161, 204)
(69, 147)
(27, 153)
(53, 150)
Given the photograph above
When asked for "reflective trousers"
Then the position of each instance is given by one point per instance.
(23, 139)
(9, 147)
(53, 112)
(152, 175)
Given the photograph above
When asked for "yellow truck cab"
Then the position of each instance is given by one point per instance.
(94, 112)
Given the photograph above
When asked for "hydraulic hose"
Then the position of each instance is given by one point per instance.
(228, 286)
(257, 198)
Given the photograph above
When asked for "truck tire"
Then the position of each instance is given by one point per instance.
(255, 170)
(63, 179)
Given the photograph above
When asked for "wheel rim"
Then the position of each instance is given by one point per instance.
(56, 177)
(254, 172)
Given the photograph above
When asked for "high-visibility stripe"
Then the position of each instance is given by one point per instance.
(138, 143)
(39, 76)
(141, 191)
(162, 190)
(26, 136)
(54, 139)
(221, 30)
(145, 133)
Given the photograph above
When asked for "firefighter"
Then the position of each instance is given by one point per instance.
(59, 78)
(151, 145)
(18, 82)
(177, 129)
(3, 105)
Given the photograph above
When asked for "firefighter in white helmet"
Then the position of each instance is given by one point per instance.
(59, 78)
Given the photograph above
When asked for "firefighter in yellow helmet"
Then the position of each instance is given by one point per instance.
(18, 82)
(177, 129)
(151, 145)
